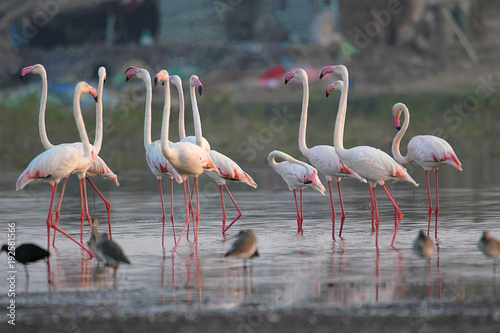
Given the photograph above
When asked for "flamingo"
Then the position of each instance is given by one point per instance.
(428, 151)
(324, 157)
(99, 167)
(187, 158)
(157, 163)
(228, 169)
(297, 175)
(376, 166)
(62, 160)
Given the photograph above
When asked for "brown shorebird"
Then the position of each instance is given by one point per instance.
(489, 245)
(105, 249)
(245, 247)
(423, 245)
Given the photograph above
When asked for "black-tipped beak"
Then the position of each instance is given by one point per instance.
(104, 82)
(327, 94)
(200, 89)
(398, 128)
(95, 98)
(128, 69)
(126, 79)
(156, 81)
(21, 77)
(321, 75)
(286, 81)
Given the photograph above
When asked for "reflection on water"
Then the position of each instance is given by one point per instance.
(292, 269)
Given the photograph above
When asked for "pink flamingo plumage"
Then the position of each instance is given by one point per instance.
(376, 166)
(187, 158)
(99, 167)
(428, 151)
(158, 164)
(297, 175)
(323, 157)
(62, 160)
(228, 169)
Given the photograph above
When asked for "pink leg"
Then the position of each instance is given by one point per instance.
(240, 214)
(301, 214)
(86, 202)
(437, 206)
(372, 209)
(333, 210)
(430, 201)
(164, 215)
(106, 202)
(172, 206)
(342, 219)
(82, 216)
(187, 216)
(58, 214)
(400, 214)
(198, 214)
(224, 216)
(389, 193)
(377, 222)
(298, 212)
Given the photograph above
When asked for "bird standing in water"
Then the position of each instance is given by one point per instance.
(423, 245)
(25, 254)
(245, 247)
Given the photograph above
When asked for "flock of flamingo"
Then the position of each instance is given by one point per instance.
(193, 156)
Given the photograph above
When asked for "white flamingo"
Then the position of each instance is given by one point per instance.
(228, 169)
(428, 151)
(376, 166)
(187, 158)
(99, 167)
(323, 157)
(157, 163)
(297, 175)
(62, 160)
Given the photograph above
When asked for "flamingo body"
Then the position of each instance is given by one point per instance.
(431, 152)
(158, 164)
(228, 170)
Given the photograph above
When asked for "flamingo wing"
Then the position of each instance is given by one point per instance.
(228, 170)
(327, 161)
(297, 176)
(432, 152)
(99, 167)
(158, 164)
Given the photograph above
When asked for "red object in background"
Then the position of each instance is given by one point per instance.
(272, 77)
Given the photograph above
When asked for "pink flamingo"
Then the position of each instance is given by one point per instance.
(99, 167)
(62, 160)
(428, 151)
(323, 157)
(187, 158)
(157, 163)
(376, 166)
(228, 169)
(297, 175)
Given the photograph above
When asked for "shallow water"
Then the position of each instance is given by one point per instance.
(291, 270)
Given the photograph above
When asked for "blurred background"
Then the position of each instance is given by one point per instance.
(440, 57)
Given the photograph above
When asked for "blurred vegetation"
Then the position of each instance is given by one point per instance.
(248, 132)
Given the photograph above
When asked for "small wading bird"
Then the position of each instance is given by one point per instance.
(297, 175)
(490, 247)
(62, 160)
(106, 250)
(324, 157)
(428, 151)
(376, 166)
(423, 245)
(245, 247)
(25, 254)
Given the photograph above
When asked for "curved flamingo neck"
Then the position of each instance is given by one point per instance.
(303, 118)
(182, 127)
(147, 112)
(338, 136)
(397, 139)
(41, 114)
(80, 123)
(278, 154)
(196, 116)
(98, 109)
(166, 123)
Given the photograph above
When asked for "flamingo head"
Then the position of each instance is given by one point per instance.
(337, 85)
(131, 72)
(35, 69)
(337, 69)
(396, 113)
(162, 77)
(102, 73)
(194, 81)
(175, 80)
(299, 74)
(289, 76)
(85, 88)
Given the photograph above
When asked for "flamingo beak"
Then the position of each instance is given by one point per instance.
(156, 80)
(329, 89)
(326, 70)
(26, 70)
(289, 76)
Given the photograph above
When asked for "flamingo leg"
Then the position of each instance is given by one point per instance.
(437, 206)
(172, 206)
(224, 216)
(301, 214)
(430, 201)
(86, 202)
(58, 214)
(377, 222)
(333, 210)
(372, 209)
(389, 193)
(82, 216)
(164, 215)
(50, 224)
(187, 217)
(342, 219)
(106, 202)
(399, 212)
(240, 214)
(298, 212)
(197, 211)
